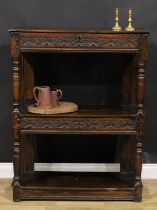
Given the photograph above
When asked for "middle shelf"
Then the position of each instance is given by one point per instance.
(87, 120)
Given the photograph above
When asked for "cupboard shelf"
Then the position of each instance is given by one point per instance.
(87, 120)
(91, 111)
(77, 186)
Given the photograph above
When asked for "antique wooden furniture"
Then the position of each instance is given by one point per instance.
(28, 48)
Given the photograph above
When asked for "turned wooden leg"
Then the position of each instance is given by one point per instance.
(16, 157)
(139, 156)
(138, 169)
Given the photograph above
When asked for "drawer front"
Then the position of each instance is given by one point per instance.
(77, 40)
(81, 125)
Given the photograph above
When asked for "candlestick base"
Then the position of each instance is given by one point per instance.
(116, 28)
(129, 28)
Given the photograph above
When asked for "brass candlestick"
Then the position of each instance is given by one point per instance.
(116, 27)
(129, 27)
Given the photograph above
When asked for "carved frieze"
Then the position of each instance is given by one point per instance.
(76, 42)
(84, 124)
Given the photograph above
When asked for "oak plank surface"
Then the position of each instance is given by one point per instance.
(149, 201)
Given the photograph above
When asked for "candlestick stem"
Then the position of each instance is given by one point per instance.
(129, 27)
(116, 27)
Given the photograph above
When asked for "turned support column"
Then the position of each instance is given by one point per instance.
(140, 118)
(140, 132)
(16, 118)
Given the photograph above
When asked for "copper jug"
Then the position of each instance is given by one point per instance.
(43, 97)
(56, 95)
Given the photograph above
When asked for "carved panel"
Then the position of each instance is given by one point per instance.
(85, 124)
(77, 41)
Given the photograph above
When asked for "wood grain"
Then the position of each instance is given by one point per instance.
(149, 201)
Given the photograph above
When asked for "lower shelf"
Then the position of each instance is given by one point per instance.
(76, 186)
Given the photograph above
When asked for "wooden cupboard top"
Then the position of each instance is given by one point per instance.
(32, 40)
(55, 30)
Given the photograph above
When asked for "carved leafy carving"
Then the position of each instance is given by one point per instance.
(74, 41)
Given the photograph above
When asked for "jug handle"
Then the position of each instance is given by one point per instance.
(59, 93)
(34, 94)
